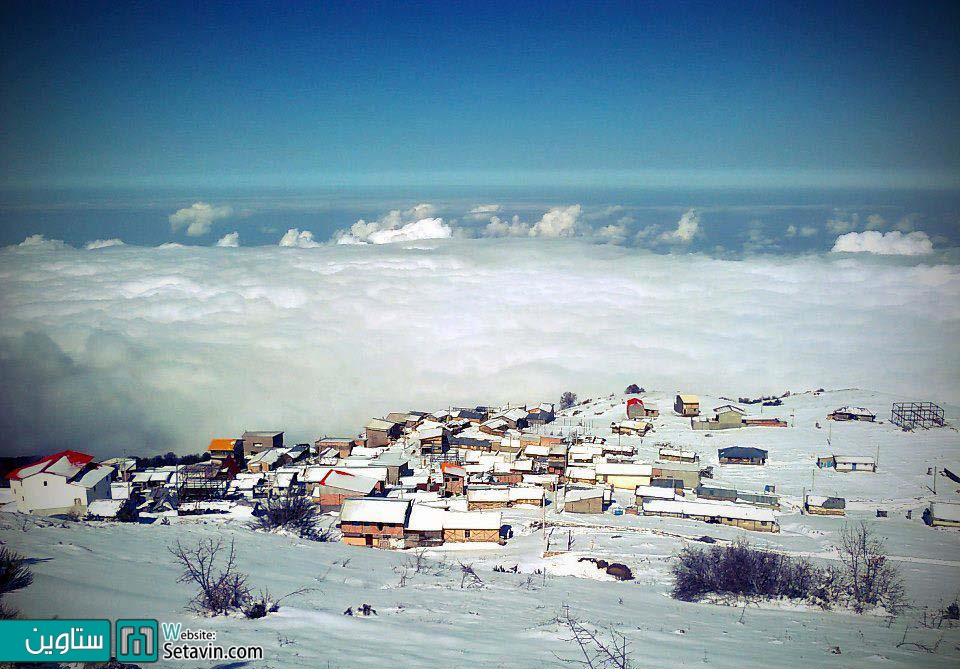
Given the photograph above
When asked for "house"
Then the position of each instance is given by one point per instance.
(725, 417)
(638, 408)
(765, 499)
(381, 432)
(454, 478)
(222, 449)
(123, 468)
(582, 500)
(495, 426)
(852, 413)
(645, 493)
(717, 493)
(636, 428)
(255, 442)
(374, 521)
(516, 419)
(763, 421)
(343, 445)
(667, 454)
(742, 455)
(687, 405)
(824, 506)
(527, 495)
(271, 458)
(541, 415)
(61, 483)
(433, 438)
(337, 485)
(488, 497)
(687, 472)
(580, 475)
(623, 475)
(425, 526)
(745, 517)
(943, 514)
(503, 472)
(465, 526)
(854, 463)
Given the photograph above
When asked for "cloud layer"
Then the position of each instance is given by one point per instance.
(145, 350)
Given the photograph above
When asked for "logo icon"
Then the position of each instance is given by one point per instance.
(137, 640)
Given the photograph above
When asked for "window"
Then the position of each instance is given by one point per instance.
(44, 483)
(466, 534)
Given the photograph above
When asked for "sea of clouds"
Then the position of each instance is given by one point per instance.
(118, 348)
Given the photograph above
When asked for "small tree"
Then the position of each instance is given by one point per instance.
(294, 513)
(870, 578)
(221, 589)
(633, 389)
(14, 575)
(567, 400)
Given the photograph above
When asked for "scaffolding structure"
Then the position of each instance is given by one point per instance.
(910, 415)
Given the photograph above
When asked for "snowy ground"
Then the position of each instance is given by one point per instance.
(114, 571)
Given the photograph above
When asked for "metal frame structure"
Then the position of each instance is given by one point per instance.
(916, 414)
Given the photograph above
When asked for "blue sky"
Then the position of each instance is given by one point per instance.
(698, 95)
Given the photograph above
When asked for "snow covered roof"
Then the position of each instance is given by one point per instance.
(676, 453)
(540, 479)
(724, 408)
(580, 494)
(105, 508)
(623, 469)
(379, 424)
(488, 494)
(473, 520)
(675, 466)
(721, 510)
(65, 463)
(526, 492)
(855, 411)
(268, 457)
(946, 511)
(346, 480)
(826, 502)
(94, 476)
(537, 450)
(655, 492)
(588, 473)
(425, 518)
(689, 399)
(633, 425)
(374, 510)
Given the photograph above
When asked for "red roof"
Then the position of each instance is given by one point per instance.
(75, 458)
(634, 400)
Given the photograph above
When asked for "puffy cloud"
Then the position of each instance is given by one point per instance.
(841, 224)
(558, 222)
(230, 240)
(425, 228)
(297, 238)
(142, 353)
(893, 243)
(198, 218)
(687, 228)
(613, 234)
(497, 227)
(103, 244)
(41, 242)
(361, 231)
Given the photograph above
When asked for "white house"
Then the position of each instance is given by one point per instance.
(65, 482)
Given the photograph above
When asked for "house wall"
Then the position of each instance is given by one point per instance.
(511, 477)
(690, 479)
(376, 438)
(820, 511)
(57, 496)
(594, 505)
(254, 445)
(472, 506)
(623, 482)
(462, 536)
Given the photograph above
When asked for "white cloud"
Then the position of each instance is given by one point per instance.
(361, 231)
(41, 242)
(803, 231)
(889, 243)
(103, 244)
(143, 352)
(297, 238)
(840, 224)
(613, 234)
(482, 212)
(198, 218)
(687, 228)
(229, 240)
(425, 228)
(558, 222)
(497, 227)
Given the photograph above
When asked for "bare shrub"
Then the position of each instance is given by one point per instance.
(568, 399)
(597, 650)
(293, 513)
(14, 575)
(221, 589)
(468, 577)
(871, 579)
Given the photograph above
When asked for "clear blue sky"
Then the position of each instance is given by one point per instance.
(113, 94)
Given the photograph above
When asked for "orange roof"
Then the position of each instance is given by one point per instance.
(222, 444)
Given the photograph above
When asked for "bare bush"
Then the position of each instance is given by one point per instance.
(597, 650)
(221, 589)
(468, 577)
(14, 575)
(568, 399)
(293, 513)
(871, 579)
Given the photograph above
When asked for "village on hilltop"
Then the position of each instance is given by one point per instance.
(417, 479)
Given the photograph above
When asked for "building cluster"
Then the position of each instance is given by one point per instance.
(414, 479)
